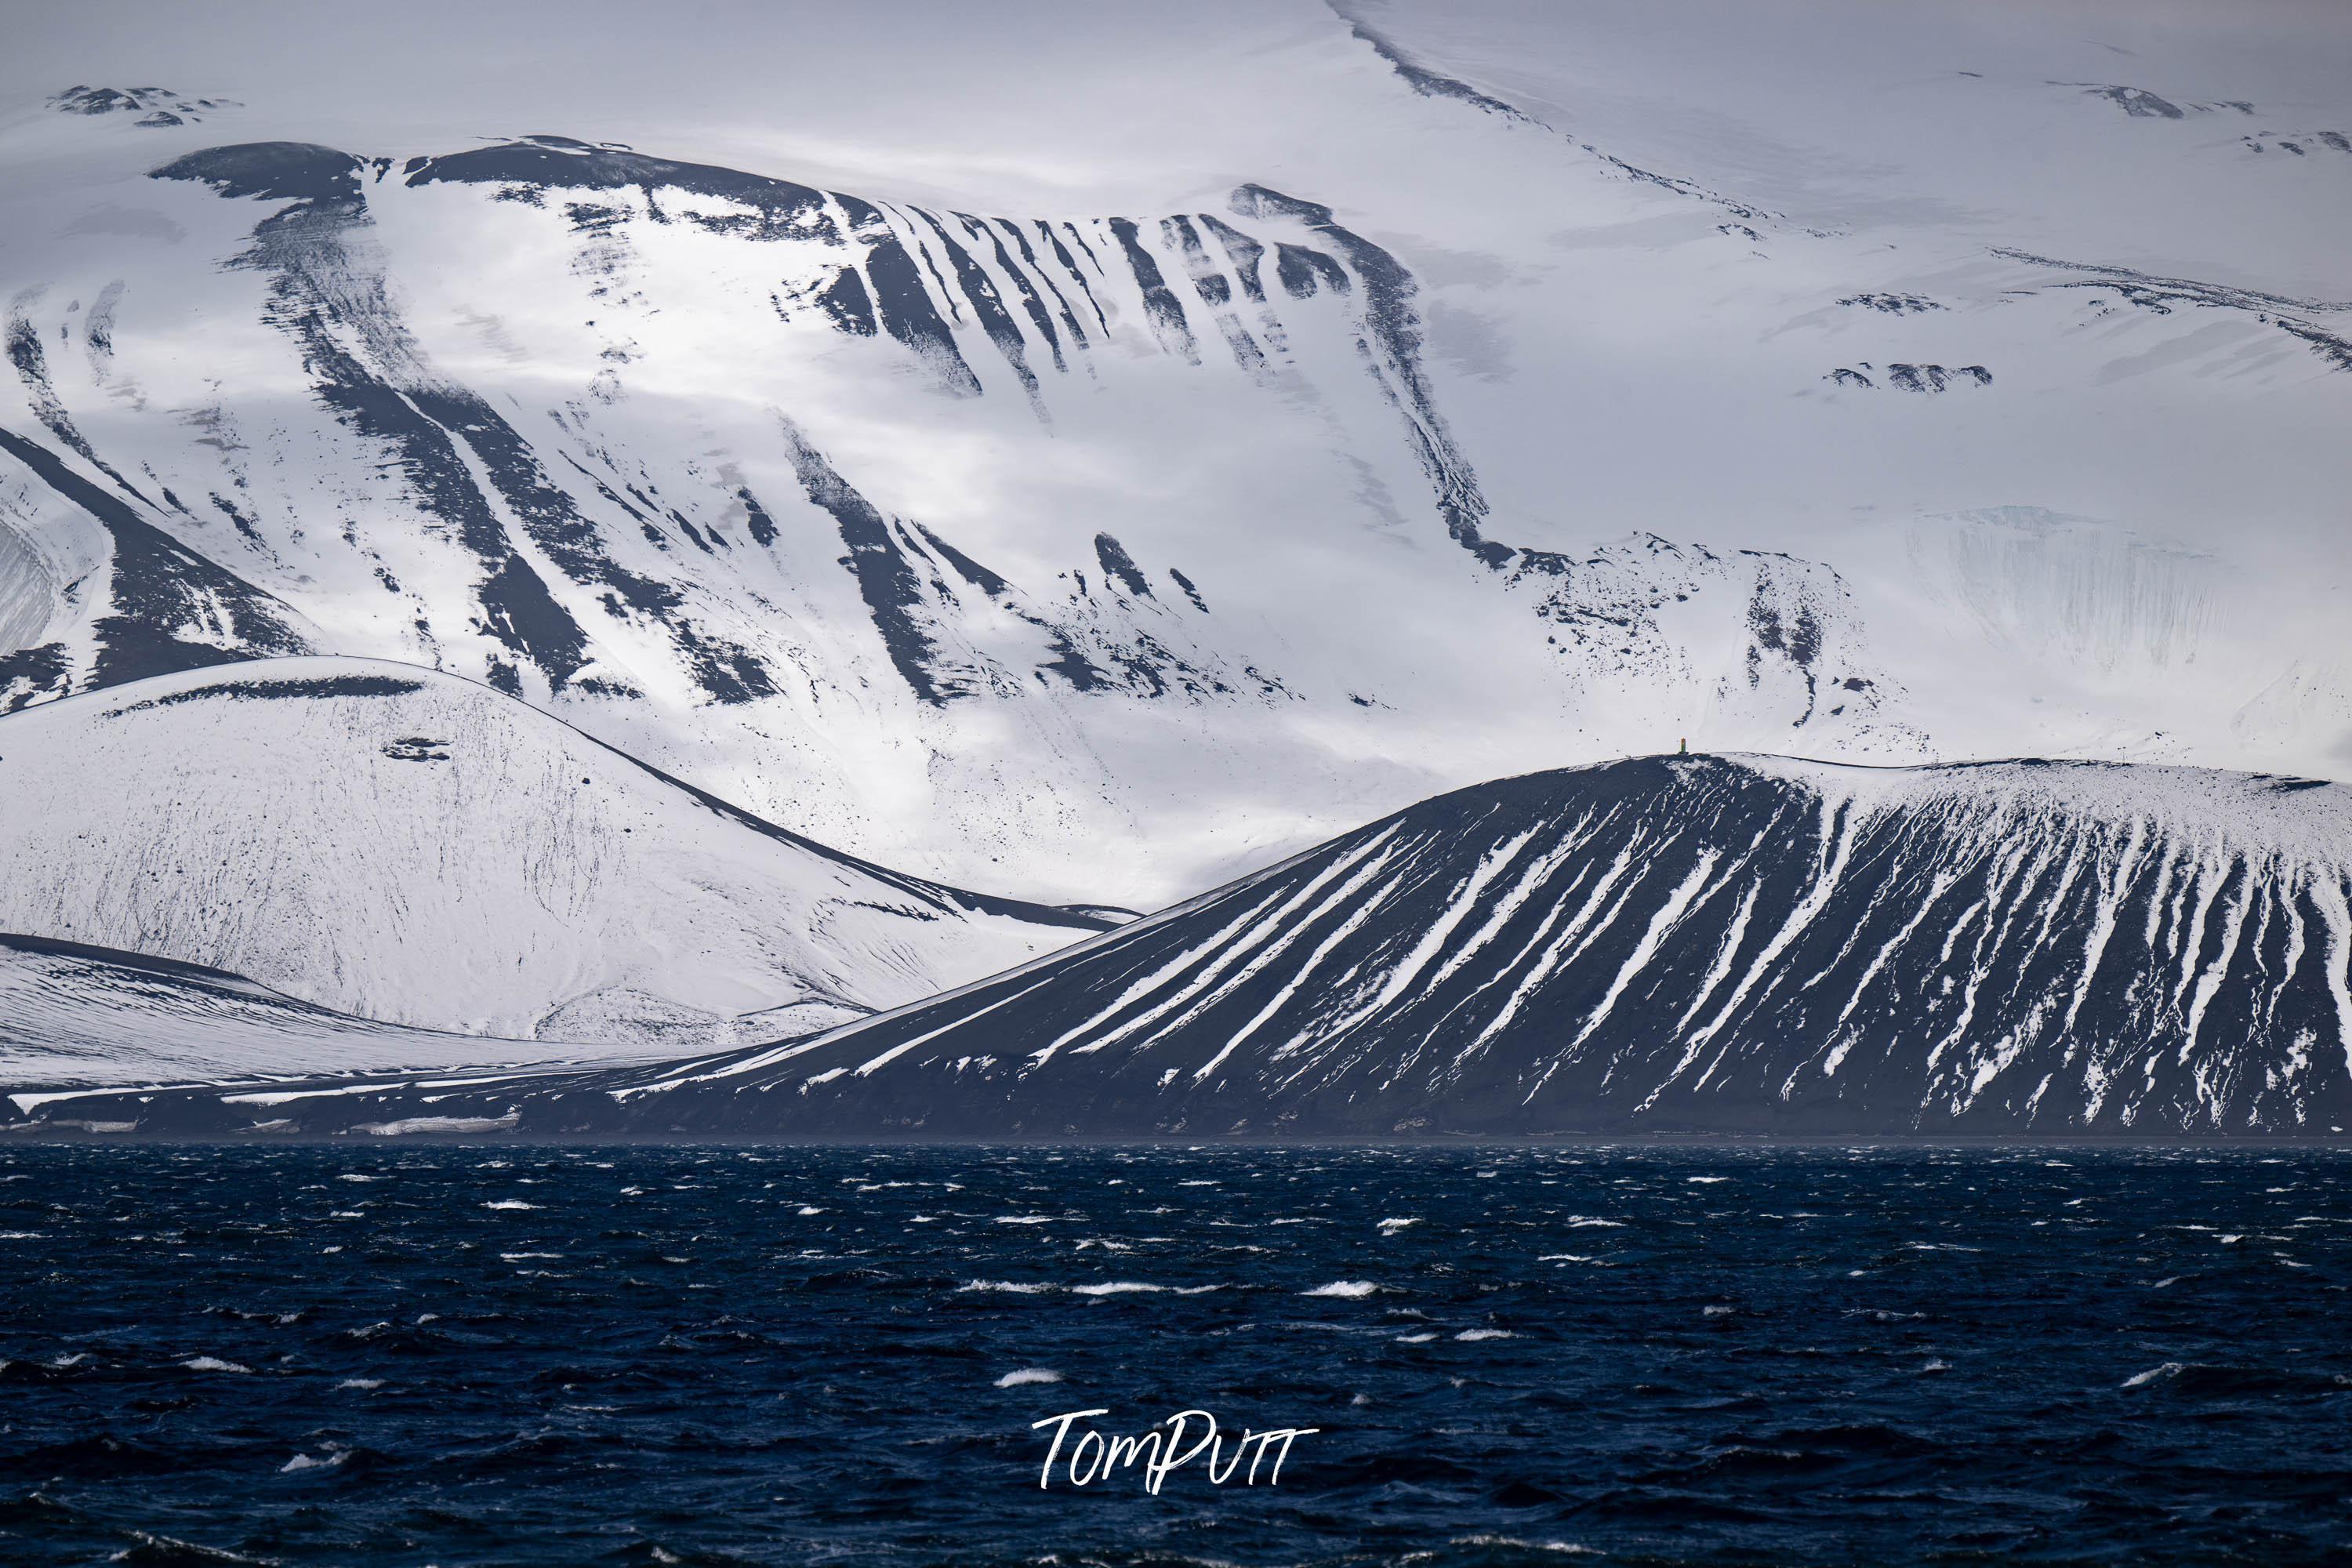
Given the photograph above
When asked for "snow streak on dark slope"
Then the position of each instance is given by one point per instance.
(1684, 944)
(1700, 943)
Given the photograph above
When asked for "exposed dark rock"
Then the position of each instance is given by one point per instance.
(2137, 103)
(1160, 302)
(885, 578)
(1891, 304)
(161, 591)
(157, 107)
(33, 675)
(1118, 564)
(2159, 295)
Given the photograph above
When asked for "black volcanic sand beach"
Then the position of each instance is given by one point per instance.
(456, 1355)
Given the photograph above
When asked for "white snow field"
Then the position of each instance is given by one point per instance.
(415, 849)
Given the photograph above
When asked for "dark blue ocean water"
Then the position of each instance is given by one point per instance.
(432, 1355)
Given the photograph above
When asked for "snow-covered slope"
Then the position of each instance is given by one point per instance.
(653, 470)
(75, 1014)
(1671, 944)
(1026, 483)
(1679, 944)
(402, 845)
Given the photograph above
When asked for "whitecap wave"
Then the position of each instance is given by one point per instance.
(1027, 1376)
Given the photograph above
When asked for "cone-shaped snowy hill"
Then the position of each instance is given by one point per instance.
(1685, 943)
(420, 850)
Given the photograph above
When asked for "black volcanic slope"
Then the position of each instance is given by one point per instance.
(1695, 944)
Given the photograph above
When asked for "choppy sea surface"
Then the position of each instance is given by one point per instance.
(439, 1354)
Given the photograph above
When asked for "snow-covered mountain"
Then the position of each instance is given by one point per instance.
(754, 591)
(1449, 404)
(1738, 943)
(1094, 492)
(1670, 944)
(404, 846)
